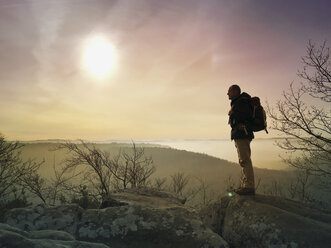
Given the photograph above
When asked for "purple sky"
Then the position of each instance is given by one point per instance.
(174, 63)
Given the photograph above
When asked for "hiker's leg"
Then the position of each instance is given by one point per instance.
(244, 155)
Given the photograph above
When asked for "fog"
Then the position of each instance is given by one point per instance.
(265, 152)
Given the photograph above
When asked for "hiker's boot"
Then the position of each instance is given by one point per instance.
(245, 191)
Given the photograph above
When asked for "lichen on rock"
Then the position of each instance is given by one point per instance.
(267, 221)
(15, 238)
(134, 225)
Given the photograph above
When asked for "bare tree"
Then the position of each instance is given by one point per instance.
(317, 72)
(272, 187)
(307, 127)
(104, 172)
(159, 183)
(299, 187)
(138, 167)
(12, 167)
(120, 171)
(203, 190)
(37, 185)
(179, 182)
(48, 190)
(276, 188)
(229, 183)
(96, 164)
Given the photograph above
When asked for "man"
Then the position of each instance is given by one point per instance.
(239, 116)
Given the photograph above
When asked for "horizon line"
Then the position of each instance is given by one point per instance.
(137, 140)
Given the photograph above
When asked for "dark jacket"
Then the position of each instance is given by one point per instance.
(239, 117)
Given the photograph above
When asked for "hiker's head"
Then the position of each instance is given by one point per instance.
(234, 91)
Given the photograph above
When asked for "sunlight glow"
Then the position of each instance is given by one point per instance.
(99, 56)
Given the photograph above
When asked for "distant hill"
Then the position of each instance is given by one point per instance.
(167, 161)
(217, 174)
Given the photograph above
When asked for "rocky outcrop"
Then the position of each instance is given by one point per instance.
(11, 237)
(148, 220)
(157, 219)
(266, 221)
(137, 226)
(65, 218)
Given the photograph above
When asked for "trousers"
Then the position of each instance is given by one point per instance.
(244, 156)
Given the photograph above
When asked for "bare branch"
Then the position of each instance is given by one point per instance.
(307, 127)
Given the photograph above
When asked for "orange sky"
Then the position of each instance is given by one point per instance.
(174, 63)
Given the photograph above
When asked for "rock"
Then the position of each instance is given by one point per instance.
(9, 228)
(213, 214)
(148, 198)
(64, 218)
(14, 238)
(149, 219)
(266, 221)
(51, 234)
(111, 203)
(137, 226)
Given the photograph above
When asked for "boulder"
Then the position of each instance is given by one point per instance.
(267, 221)
(137, 226)
(41, 217)
(147, 219)
(15, 238)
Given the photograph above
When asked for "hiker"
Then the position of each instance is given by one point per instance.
(239, 116)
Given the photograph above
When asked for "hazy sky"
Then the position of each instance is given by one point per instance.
(173, 64)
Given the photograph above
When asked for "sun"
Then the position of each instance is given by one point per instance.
(99, 56)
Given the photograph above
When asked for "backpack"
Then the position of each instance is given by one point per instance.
(259, 117)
